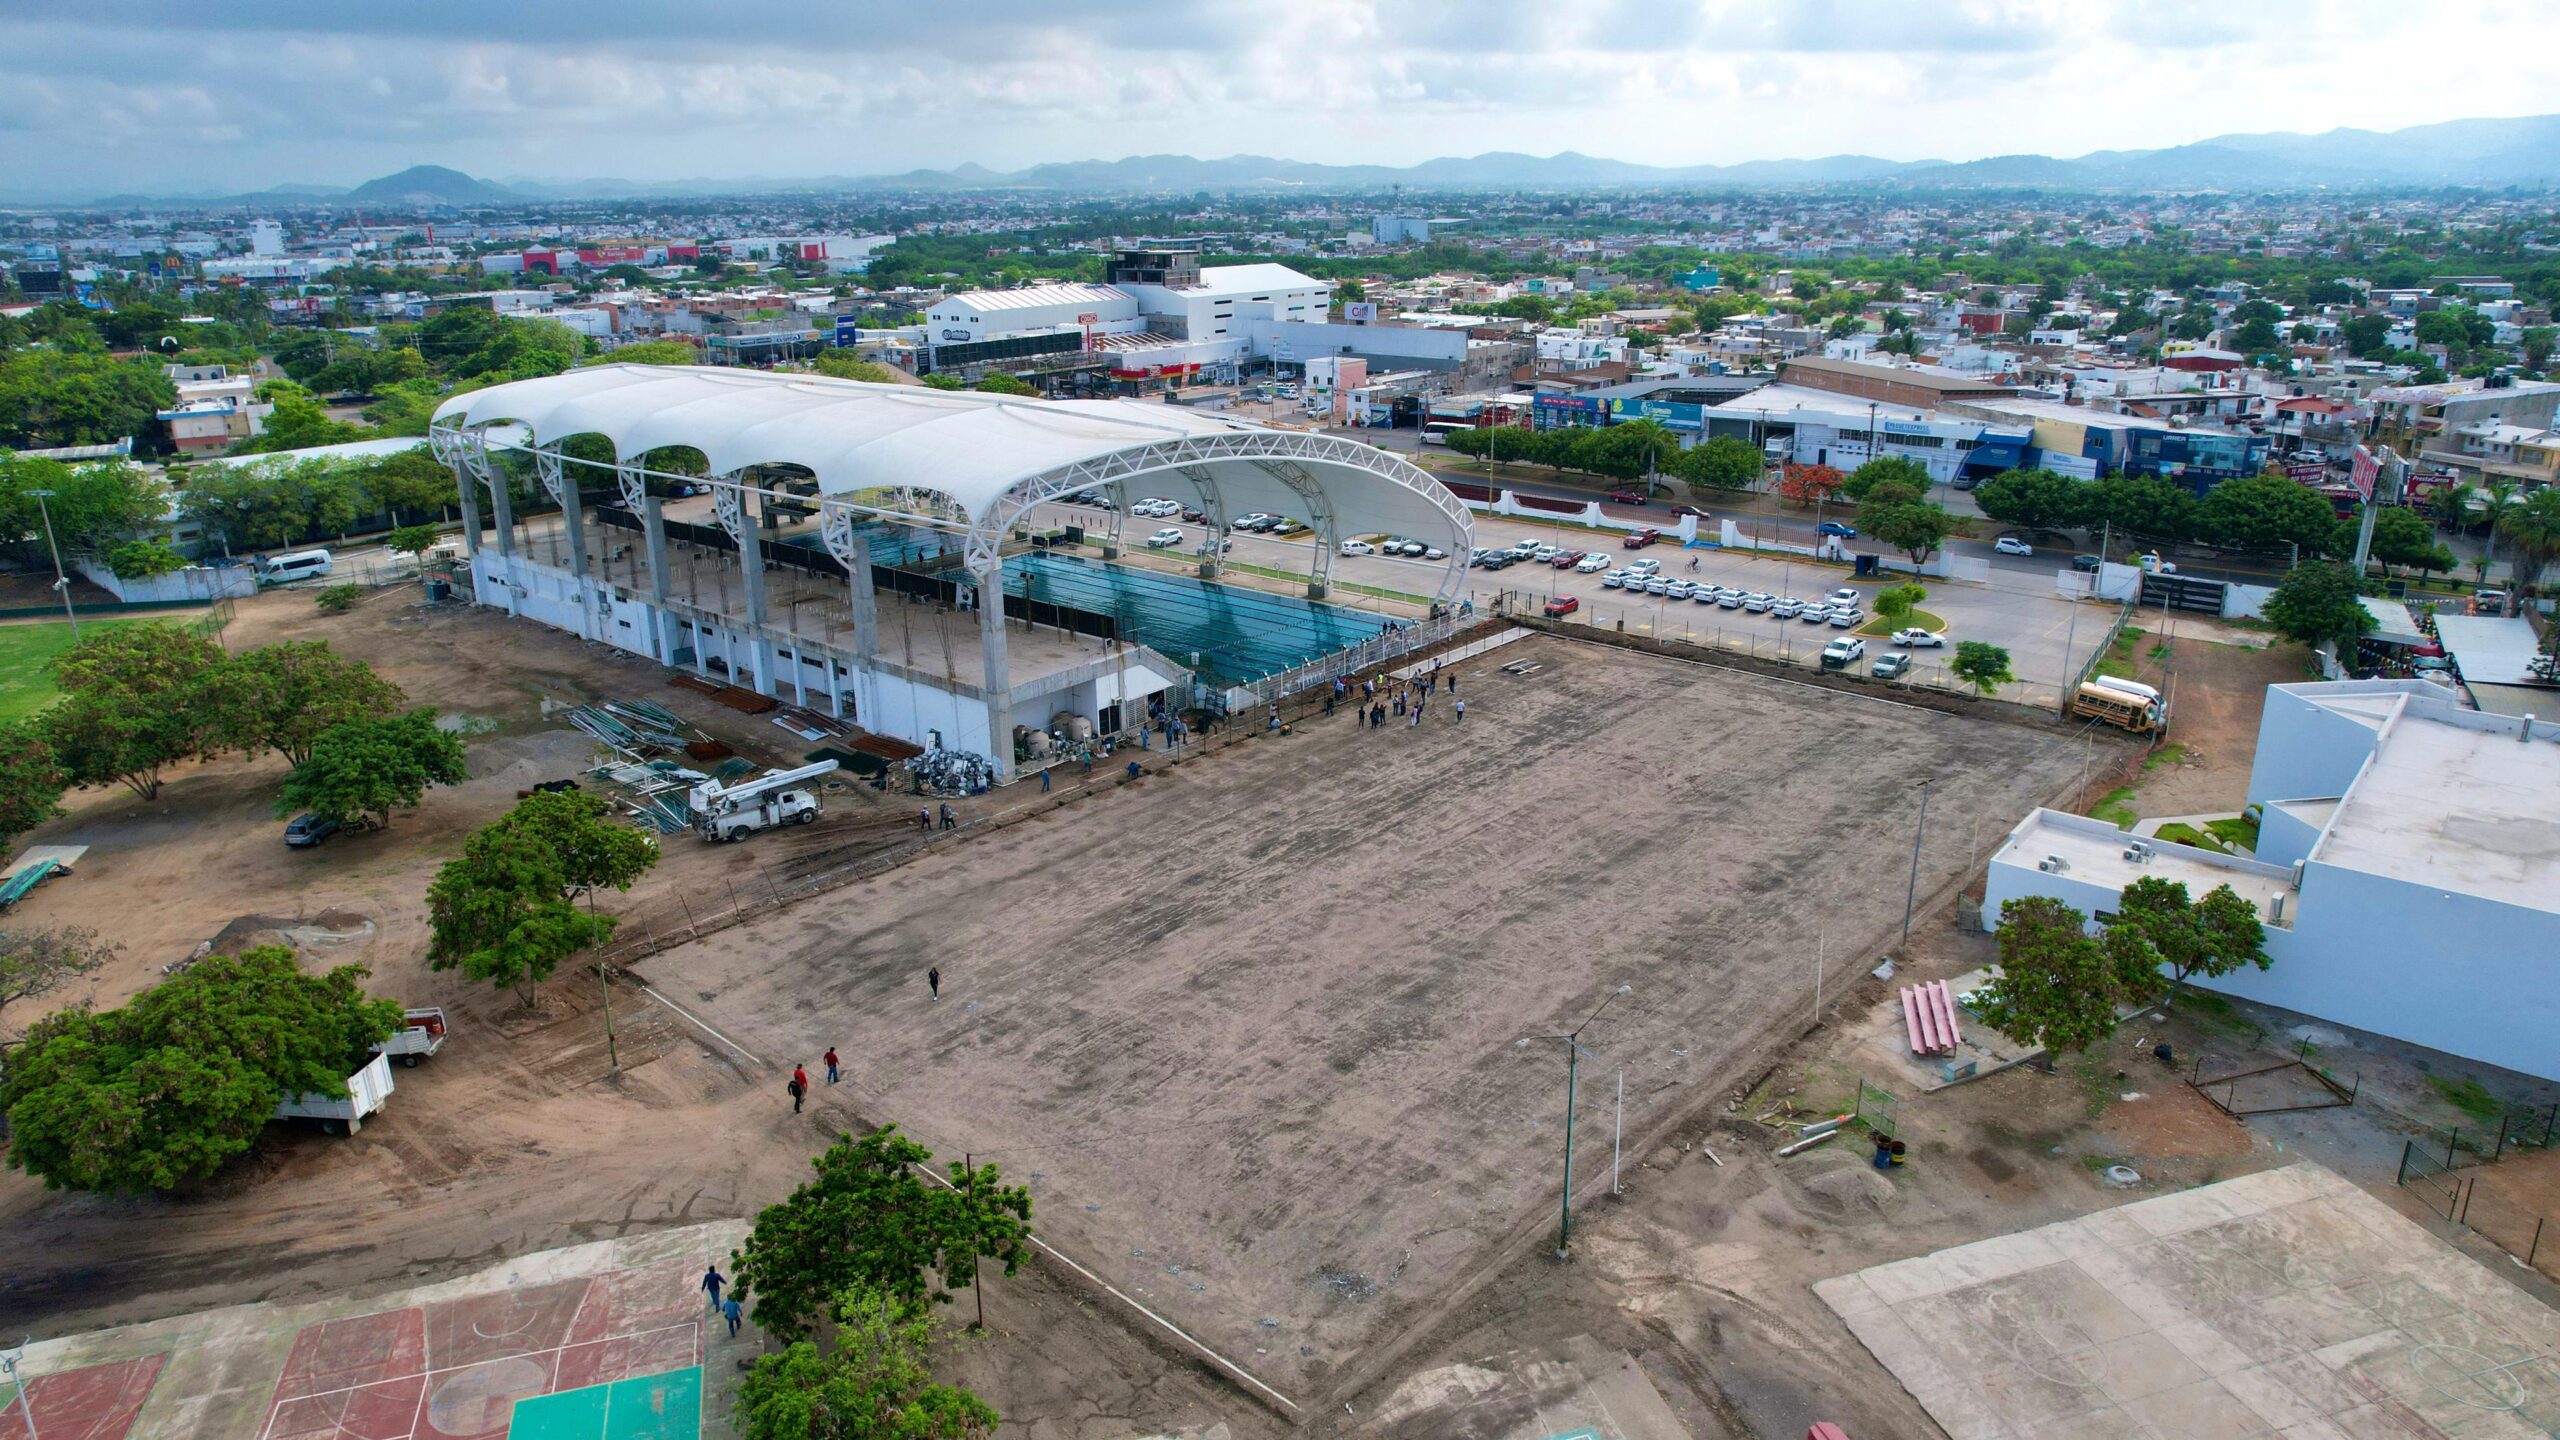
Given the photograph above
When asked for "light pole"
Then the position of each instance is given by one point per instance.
(1911, 892)
(1573, 1051)
(61, 581)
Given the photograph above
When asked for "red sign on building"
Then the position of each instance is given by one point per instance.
(2365, 473)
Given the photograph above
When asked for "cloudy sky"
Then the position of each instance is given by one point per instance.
(185, 95)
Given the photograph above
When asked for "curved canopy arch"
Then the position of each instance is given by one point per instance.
(992, 457)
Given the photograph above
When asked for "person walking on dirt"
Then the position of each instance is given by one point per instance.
(831, 1064)
(1044, 779)
(924, 820)
(1453, 682)
(730, 1312)
(1328, 704)
(933, 981)
(711, 1283)
(1462, 712)
(799, 1088)
(950, 817)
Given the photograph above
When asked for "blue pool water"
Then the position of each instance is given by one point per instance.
(891, 545)
(1239, 635)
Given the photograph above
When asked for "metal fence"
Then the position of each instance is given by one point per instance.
(1353, 661)
(2468, 1191)
(1878, 1110)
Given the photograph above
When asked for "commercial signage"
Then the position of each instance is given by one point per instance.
(955, 336)
(848, 331)
(2307, 472)
(1569, 402)
(1360, 312)
(2365, 472)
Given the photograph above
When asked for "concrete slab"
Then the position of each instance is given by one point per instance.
(449, 1361)
(2287, 1303)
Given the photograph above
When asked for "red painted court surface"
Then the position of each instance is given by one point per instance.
(96, 1403)
(453, 1369)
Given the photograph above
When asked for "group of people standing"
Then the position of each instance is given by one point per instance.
(1408, 699)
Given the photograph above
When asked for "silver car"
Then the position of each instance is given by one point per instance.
(1707, 594)
(1786, 608)
(1816, 615)
(1847, 619)
(1656, 585)
(1757, 602)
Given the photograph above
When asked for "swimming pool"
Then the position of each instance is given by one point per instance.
(1229, 634)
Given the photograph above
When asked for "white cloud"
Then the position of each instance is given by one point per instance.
(101, 95)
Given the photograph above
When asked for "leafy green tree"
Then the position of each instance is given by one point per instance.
(2538, 345)
(300, 422)
(649, 352)
(91, 508)
(588, 847)
(1982, 665)
(338, 599)
(284, 697)
(1725, 463)
(369, 766)
(134, 699)
(996, 382)
(54, 397)
(2139, 505)
(1887, 470)
(169, 1088)
(31, 780)
(2316, 603)
(2401, 537)
(145, 560)
(2532, 532)
(1914, 527)
(2157, 929)
(870, 1219)
(2057, 989)
(409, 482)
(2498, 500)
(844, 365)
(2032, 499)
(500, 913)
(38, 962)
(2366, 335)
(412, 540)
(874, 1386)
(1894, 603)
(2267, 512)
(274, 502)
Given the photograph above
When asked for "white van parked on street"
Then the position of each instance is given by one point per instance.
(292, 565)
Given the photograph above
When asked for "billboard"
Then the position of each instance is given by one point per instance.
(1360, 312)
(848, 331)
(2366, 470)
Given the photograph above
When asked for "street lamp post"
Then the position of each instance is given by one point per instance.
(1573, 1051)
(61, 581)
(1911, 892)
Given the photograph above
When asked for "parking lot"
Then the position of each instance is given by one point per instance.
(2047, 637)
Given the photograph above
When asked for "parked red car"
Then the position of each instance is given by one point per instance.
(1625, 497)
(1641, 538)
(1563, 605)
(1566, 559)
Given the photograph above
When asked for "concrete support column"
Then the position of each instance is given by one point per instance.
(470, 490)
(865, 604)
(999, 670)
(653, 538)
(503, 509)
(750, 537)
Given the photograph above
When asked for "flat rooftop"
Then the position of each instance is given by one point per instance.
(2094, 851)
(2469, 810)
(2490, 649)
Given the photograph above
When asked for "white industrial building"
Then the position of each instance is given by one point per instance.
(2407, 869)
(1162, 315)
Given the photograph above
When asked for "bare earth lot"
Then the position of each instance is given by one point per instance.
(1249, 1029)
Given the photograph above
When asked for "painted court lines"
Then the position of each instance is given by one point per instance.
(455, 1369)
(97, 1402)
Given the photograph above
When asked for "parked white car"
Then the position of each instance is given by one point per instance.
(1845, 595)
(2012, 545)
(1615, 579)
(1919, 639)
(1167, 536)
(1358, 547)
(1592, 564)
(1786, 607)
(1643, 567)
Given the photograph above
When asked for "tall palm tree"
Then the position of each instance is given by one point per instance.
(2452, 505)
(2497, 502)
(2533, 528)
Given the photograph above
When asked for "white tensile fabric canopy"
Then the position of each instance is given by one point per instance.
(990, 456)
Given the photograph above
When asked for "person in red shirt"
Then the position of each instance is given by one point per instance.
(831, 1064)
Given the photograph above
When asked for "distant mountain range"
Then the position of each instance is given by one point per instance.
(2459, 153)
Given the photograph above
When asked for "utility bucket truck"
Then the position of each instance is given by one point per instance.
(734, 812)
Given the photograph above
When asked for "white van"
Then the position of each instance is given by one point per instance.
(292, 565)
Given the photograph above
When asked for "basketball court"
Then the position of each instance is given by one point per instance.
(596, 1342)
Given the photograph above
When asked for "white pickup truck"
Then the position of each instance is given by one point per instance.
(343, 1114)
(420, 1035)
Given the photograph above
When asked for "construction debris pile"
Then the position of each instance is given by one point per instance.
(633, 727)
(952, 772)
(652, 791)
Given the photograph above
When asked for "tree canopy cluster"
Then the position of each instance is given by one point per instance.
(169, 1088)
(2267, 512)
(505, 910)
(2061, 987)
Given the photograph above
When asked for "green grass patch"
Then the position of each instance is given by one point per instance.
(2178, 832)
(1907, 619)
(2119, 660)
(25, 688)
(2467, 1096)
(2116, 808)
(2236, 832)
(2172, 754)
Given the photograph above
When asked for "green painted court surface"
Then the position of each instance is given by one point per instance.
(645, 1407)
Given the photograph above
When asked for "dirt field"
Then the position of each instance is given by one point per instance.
(1250, 1032)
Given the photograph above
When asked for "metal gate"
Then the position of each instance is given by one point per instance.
(2183, 592)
